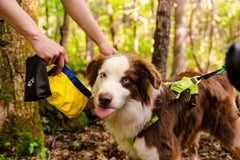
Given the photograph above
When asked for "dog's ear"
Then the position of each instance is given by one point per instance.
(149, 76)
(148, 73)
(93, 67)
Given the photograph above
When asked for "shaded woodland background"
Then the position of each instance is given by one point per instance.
(174, 35)
(199, 30)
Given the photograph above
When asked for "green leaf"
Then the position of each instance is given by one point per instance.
(201, 151)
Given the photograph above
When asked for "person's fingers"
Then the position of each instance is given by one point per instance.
(107, 49)
(47, 60)
(115, 52)
(54, 59)
(60, 64)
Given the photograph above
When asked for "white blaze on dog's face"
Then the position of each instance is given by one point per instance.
(108, 90)
(118, 79)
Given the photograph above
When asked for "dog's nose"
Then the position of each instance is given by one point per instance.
(105, 99)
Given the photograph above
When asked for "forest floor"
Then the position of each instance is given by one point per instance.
(93, 142)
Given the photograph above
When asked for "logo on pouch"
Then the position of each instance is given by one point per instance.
(30, 82)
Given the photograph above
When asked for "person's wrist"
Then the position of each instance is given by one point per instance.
(103, 43)
(33, 37)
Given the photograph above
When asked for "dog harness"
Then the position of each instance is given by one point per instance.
(191, 84)
(152, 121)
(185, 83)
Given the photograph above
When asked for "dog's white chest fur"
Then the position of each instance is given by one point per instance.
(127, 123)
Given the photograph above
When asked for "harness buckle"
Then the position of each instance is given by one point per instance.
(195, 80)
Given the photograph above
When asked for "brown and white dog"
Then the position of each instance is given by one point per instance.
(128, 91)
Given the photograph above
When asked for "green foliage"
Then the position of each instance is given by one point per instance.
(226, 18)
(212, 157)
(42, 154)
(201, 151)
(17, 139)
(76, 144)
(226, 22)
(45, 125)
(31, 148)
(5, 158)
(54, 121)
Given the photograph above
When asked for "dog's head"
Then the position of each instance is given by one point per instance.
(120, 79)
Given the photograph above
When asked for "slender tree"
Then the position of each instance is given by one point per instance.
(64, 29)
(191, 37)
(207, 31)
(135, 21)
(47, 17)
(89, 49)
(211, 26)
(19, 121)
(162, 36)
(152, 21)
(179, 39)
(57, 30)
(112, 27)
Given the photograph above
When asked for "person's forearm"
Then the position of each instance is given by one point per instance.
(79, 11)
(14, 15)
(44, 47)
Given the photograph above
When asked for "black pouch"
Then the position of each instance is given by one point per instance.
(36, 85)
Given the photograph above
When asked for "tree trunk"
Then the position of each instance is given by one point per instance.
(162, 36)
(89, 49)
(191, 37)
(64, 30)
(135, 20)
(152, 21)
(57, 30)
(178, 52)
(19, 121)
(212, 24)
(112, 28)
(47, 18)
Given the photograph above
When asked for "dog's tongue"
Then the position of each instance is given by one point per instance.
(103, 112)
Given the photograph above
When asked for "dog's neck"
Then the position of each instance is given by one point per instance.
(131, 119)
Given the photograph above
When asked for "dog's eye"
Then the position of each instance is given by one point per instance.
(126, 80)
(103, 75)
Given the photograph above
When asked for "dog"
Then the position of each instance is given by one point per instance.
(128, 91)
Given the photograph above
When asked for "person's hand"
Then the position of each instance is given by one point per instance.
(50, 51)
(106, 49)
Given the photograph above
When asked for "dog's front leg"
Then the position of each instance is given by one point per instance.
(193, 147)
(145, 152)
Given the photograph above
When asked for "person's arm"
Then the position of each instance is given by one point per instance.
(44, 47)
(79, 11)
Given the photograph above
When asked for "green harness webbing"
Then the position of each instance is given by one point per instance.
(185, 83)
(191, 83)
(152, 121)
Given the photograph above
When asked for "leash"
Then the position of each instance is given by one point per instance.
(215, 72)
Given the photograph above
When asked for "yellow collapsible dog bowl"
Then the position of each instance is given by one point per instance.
(69, 95)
